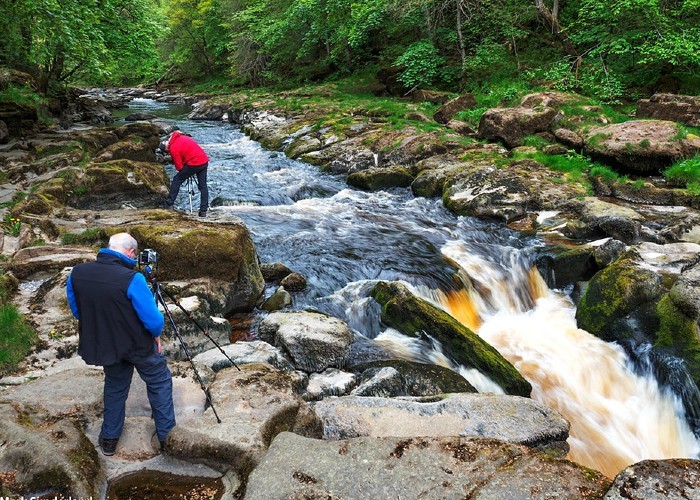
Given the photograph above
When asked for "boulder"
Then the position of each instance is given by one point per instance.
(274, 271)
(190, 250)
(313, 341)
(631, 299)
(392, 467)
(461, 128)
(671, 107)
(331, 382)
(447, 111)
(254, 405)
(511, 125)
(551, 99)
(640, 146)
(416, 317)
(431, 96)
(46, 454)
(279, 299)
(375, 179)
(42, 259)
(609, 219)
(672, 479)
(293, 282)
(243, 353)
(407, 378)
(509, 418)
(126, 150)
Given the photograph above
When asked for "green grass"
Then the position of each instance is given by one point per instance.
(684, 172)
(87, 237)
(17, 339)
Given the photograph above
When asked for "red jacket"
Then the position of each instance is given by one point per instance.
(185, 151)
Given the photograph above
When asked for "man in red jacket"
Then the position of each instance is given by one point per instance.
(189, 159)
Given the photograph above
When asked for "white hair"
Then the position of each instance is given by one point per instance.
(122, 242)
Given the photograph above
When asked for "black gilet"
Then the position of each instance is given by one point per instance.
(109, 329)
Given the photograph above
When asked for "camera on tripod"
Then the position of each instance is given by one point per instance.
(148, 257)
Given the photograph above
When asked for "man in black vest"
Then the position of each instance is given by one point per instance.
(119, 328)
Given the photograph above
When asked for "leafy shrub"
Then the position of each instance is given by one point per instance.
(421, 62)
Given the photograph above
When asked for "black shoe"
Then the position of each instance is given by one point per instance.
(202, 213)
(109, 446)
(162, 446)
(167, 206)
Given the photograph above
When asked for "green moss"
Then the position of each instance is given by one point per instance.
(93, 236)
(416, 317)
(84, 458)
(679, 333)
(614, 293)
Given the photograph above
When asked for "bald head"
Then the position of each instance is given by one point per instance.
(125, 244)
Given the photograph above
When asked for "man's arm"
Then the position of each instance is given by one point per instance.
(71, 297)
(145, 305)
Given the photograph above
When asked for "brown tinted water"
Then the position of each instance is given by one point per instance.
(164, 486)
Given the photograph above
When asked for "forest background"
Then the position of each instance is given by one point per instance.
(612, 50)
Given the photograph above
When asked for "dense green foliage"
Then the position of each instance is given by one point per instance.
(608, 51)
(88, 40)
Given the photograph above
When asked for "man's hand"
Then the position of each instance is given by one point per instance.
(157, 340)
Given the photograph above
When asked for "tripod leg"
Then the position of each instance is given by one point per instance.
(186, 349)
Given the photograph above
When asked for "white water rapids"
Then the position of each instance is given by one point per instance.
(617, 417)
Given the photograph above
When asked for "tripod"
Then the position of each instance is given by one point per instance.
(158, 295)
(190, 184)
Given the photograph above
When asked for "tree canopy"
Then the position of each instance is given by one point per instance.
(601, 48)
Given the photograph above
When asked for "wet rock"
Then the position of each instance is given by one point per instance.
(511, 125)
(640, 146)
(608, 252)
(375, 179)
(280, 299)
(313, 341)
(135, 117)
(675, 479)
(415, 317)
(447, 111)
(630, 299)
(672, 107)
(394, 378)
(450, 467)
(274, 271)
(567, 265)
(685, 292)
(609, 219)
(294, 282)
(254, 405)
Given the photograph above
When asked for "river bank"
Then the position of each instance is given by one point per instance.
(226, 451)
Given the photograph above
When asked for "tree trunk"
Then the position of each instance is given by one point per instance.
(551, 16)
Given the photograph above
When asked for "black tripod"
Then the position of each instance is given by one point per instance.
(158, 295)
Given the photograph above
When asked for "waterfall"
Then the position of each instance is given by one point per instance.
(619, 415)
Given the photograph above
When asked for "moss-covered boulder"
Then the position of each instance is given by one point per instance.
(112, 184)
(374, 179)
(622, 300)
(189, 250)
(640, 146)
(512, 125)
(416, 317)
(620, 297)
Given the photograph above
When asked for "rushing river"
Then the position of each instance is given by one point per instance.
(343, 240)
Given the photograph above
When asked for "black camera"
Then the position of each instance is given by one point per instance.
(148, 257)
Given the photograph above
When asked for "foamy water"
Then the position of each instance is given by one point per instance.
(617, 417)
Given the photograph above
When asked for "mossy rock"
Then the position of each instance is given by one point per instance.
(111, 184)
(680, 334)
(619, 297)
(416, 317)
(192, 250)
(567, 265)
(375, 179)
